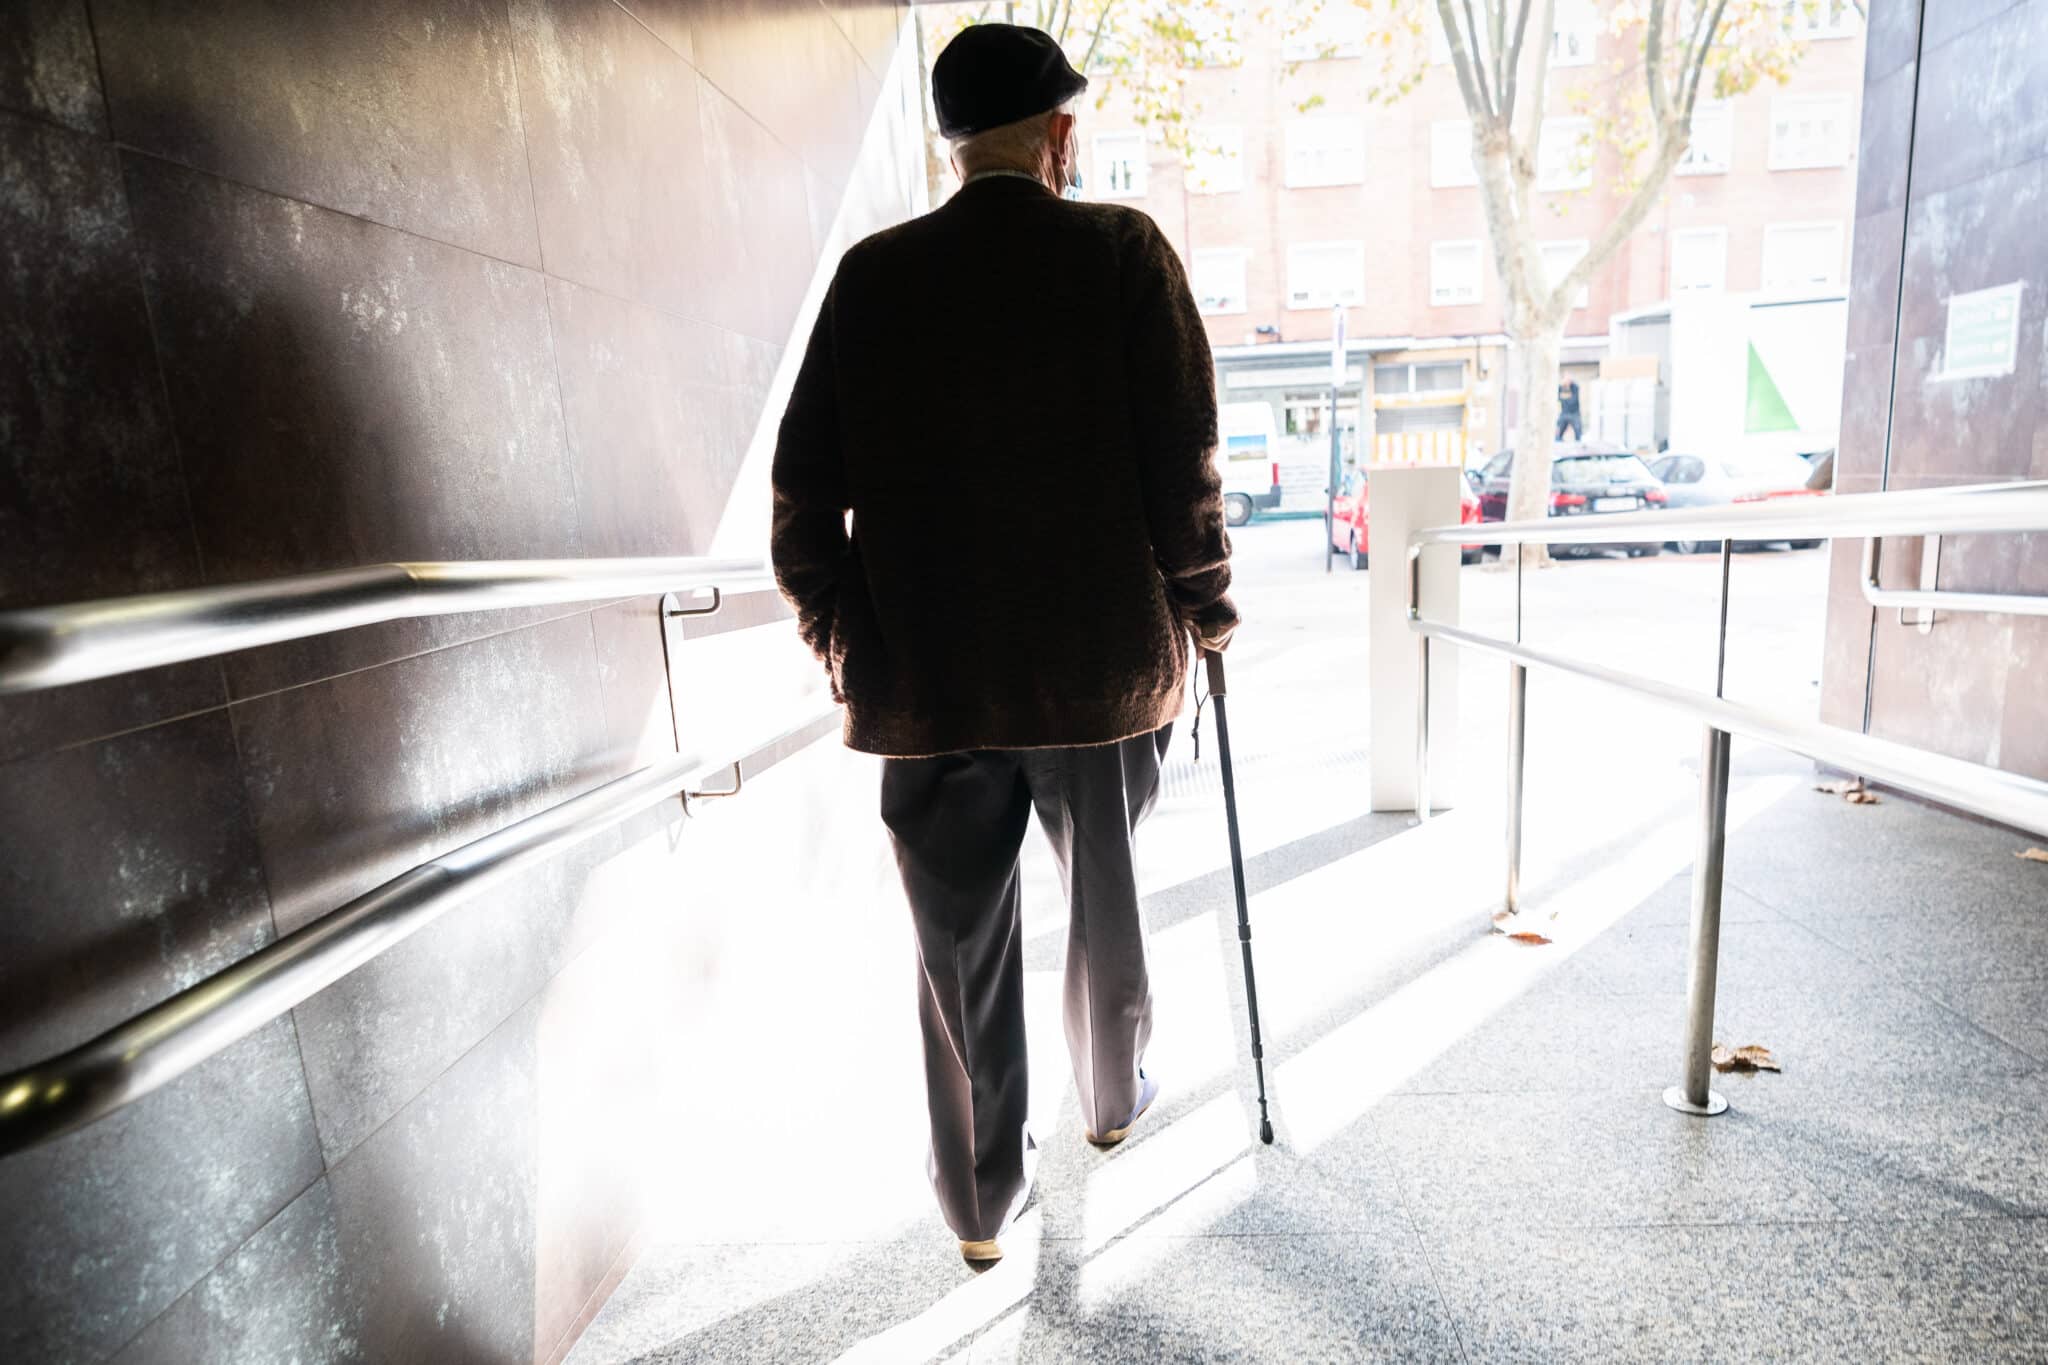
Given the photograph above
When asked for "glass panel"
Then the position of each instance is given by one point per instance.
(1440, 377)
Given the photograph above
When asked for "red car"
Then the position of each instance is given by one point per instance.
(1348, 531)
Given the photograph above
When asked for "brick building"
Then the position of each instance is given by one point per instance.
(1287, 214)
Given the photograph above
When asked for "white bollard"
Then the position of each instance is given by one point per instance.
(1402, 500)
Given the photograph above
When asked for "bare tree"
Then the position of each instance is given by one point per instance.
(1501, 52)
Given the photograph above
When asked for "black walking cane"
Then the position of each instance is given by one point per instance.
(1217, 692)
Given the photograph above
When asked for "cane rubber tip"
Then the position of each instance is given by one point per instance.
(1266, 1131)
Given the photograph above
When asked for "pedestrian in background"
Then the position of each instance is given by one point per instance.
(1568, 410)
(1013, 397)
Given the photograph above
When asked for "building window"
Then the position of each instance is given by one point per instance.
(1323, 30)
(1578, 27)
(1450, 154)
(1563, 160)
(1323, 274)
(1699, 260)
(1120, 165)
(1437, 376)
(1217, 161)
(1325, 151)
(1219, 280)
(1456, 271)
(1809, 131)
(1800, 257)
(1558, 259)
(1713, 135)
(1819, 18)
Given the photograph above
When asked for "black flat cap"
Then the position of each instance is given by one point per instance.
(993, 74)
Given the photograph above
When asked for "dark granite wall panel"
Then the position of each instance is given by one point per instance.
(47, 66)
(403, 111)
(1987, 232)
(435, 1213)
(1885, 141)
(104, 1229)
(280, 1297)
(90, 499)
(114, 897)
(874, 26)
(353, 780)
(1984, 101)
(336, 284)
(1891, 37)
(356, 779)
(346, 394)
(790, 64)
(660, 410)
(764, 225)
(1979, 192)
(1947, 20)
(131, 872)
(615, 134)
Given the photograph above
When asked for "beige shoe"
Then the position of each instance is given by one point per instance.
(980, 1253)
(1148, 1092)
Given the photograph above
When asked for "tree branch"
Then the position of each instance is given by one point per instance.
(1514, 66)
(1095, 39)
(1627, 221)
(1532, 142)
(1462, 62)
(1653, 69)
(1702, 47)
(1479, 72)
(1497, 14)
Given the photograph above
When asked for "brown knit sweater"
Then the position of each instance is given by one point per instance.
(1013, 397)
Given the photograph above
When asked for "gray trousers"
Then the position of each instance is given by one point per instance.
(958, 823)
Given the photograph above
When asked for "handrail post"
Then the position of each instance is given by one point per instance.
(1694, 1096)
(1421, 687)
(1518, 700)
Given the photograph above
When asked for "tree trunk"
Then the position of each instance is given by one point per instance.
(1529, 486)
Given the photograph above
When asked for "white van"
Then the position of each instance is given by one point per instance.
(1246, 460)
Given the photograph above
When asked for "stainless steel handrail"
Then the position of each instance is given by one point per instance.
(50, 646)
(1989, 507)
(128, 1061)
(2007, 798)
(1942, 599)
(1997, 795)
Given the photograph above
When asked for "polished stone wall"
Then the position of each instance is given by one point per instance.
(1951, 197)
(291, 286)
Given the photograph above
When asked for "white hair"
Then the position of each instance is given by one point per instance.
(1009, 146)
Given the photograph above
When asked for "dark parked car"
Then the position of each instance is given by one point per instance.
(1585, 480)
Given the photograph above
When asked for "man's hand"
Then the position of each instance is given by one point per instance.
(1217, 640)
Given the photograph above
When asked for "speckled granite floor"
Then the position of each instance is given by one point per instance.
(1490, 1176)
(1473, 1160)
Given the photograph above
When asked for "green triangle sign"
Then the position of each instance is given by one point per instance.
(1767, 410)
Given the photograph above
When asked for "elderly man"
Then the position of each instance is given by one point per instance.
(1013, 398)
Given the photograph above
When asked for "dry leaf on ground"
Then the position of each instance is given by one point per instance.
(1533, 940)
(1752, 1057)
(1850, 789)
(2033, 855)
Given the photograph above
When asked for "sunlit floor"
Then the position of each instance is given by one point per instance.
(1473, 1161)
